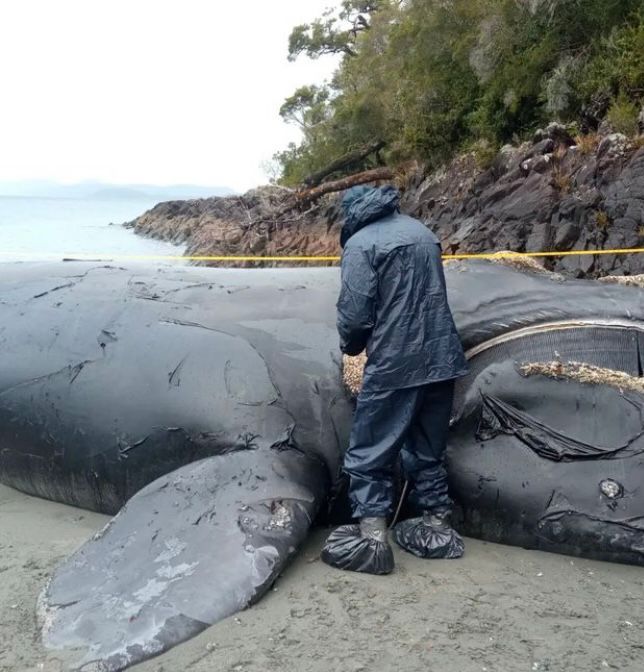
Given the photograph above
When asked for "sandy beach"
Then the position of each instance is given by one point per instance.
(499, 609)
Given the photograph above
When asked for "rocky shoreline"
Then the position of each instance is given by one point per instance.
(554, 193)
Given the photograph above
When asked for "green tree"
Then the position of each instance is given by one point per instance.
(307, 107)
(333, 33)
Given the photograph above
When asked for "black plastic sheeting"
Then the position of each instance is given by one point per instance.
(428, 541)
(113, 377)
(346, 548)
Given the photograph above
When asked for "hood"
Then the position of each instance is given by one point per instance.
(363, 205)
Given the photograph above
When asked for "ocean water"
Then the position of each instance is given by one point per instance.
(39, 229)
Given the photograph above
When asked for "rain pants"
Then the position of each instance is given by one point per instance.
(393, 303)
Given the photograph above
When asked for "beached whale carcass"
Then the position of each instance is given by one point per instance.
(112, 379)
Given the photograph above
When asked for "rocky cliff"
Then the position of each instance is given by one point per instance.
(553, 193)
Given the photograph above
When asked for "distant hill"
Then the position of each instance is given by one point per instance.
(92, 189)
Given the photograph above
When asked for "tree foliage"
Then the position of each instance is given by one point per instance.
(307, 107)
(334, 33)
(428, 77)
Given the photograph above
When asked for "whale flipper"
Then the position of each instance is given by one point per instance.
(190, 549)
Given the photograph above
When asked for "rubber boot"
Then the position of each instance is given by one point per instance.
(430, 536)
(360, 548)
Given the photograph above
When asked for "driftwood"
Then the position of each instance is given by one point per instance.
(375, 175)
(352, 159)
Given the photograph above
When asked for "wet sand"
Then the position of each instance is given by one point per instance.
(499, 609)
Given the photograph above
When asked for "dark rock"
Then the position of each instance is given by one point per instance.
(566, 235)
(559, 133)
(591, 198)
(615, 144)
(464, 232)
(593, 112)
(545, 146)
(542, 164)
(498, 193)
(586, 173)
(539, 238)
(578, 266)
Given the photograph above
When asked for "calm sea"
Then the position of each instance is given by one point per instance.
(37, 229)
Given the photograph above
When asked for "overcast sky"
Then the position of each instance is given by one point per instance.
(148, 91)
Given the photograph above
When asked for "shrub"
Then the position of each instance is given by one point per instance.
(587, 144)
(602, 220)
(484, 153)
(561, 181)
(622, 116)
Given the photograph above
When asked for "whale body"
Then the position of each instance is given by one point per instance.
(206, 409)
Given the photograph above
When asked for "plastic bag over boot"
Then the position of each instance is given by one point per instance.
(360, 548)
(429, 537)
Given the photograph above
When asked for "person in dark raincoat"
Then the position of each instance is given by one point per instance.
(393, 303)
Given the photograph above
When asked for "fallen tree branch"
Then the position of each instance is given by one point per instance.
(375, 175)
(306, 198)
(344, 162)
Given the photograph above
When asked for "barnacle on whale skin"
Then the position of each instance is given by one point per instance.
(352, 372)
(522, 263)
(584, 373)
(625, 280)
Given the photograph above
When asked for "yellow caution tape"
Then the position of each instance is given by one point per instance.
(572, 253)
(327, 259)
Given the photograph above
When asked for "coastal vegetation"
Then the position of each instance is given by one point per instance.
(420, 80)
